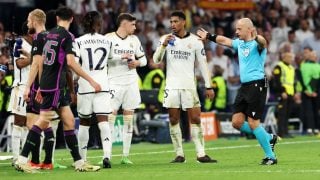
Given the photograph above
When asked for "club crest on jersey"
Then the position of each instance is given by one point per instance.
(246, 52)
(131, 45)
(189, 46)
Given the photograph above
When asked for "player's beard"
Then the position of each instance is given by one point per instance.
(32, 31)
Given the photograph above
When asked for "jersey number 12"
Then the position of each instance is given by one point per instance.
(102, 58)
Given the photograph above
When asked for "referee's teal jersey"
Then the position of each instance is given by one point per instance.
(251, 61)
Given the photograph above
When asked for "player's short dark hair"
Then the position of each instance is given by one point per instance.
(25, 28)
(292, 31)
(90, 21)
(125, 16)
(51, 20)
(179, 14)
(64, 13)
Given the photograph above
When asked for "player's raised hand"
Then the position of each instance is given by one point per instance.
(202, 34)
(167, 39)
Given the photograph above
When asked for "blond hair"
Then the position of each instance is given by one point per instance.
(38, 15)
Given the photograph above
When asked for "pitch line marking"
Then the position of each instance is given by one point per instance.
(213, 148)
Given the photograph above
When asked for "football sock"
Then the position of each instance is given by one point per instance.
(246, 128)
(32, 143)
(54, 125)
(176, 137)
(16, 140)
(127, 133)
(24, 134)
(263, 138)
(198, 139)
(105, 138)
(72, 143)
(49, 140)
(111, 120)
(83, 138)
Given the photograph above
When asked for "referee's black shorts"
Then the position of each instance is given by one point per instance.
(251, 99)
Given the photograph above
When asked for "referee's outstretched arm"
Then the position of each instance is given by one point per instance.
(203, 35)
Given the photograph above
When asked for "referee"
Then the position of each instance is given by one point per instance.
(251, 98)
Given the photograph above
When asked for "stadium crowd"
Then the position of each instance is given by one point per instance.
(288, 25)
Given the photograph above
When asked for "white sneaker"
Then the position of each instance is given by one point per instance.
(82, 166)
(24, 167)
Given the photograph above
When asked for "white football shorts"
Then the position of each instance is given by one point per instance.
(93, 103)
(181, 98)
(127, 96)
(17, 104)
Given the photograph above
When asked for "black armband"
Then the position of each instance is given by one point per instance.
(209, 88)
(212, 37)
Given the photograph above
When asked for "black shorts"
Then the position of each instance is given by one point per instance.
(54, 100)
(251, 99)
(32, 105)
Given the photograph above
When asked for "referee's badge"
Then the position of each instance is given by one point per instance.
(246, 52)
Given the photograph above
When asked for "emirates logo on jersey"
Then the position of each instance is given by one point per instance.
(246, 52)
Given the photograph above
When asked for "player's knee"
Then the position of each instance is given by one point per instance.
(174, 120)
(68, 124)
(195, 120)
(19, 121)
(236, 125)
(43, 124)
(237, 122)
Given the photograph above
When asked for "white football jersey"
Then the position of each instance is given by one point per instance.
(118, 70)
(180, 62)
(92, 52)
(21, 75)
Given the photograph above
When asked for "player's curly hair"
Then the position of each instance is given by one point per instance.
(92, 22)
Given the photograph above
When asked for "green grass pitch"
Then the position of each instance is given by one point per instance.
(238, 159)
